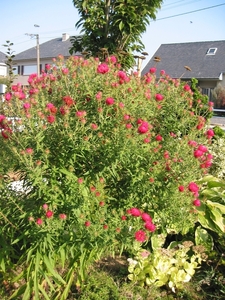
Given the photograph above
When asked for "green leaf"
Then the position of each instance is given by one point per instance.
(51, 270)
(202, 237)
(121, 25)
(221, 207)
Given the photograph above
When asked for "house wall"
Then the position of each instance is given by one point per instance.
(207, 89)
(25, 68)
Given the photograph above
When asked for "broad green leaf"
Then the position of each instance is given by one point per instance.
(157, 241)
(202, 237)
(221, 207)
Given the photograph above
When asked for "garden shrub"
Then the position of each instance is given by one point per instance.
(105, 159)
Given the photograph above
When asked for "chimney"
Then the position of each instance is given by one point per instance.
(65, 37)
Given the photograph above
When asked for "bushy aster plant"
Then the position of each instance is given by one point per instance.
(105, 158)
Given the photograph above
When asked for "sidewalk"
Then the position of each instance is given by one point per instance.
(218, 121)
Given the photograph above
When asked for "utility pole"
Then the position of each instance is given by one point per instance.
(38, 49)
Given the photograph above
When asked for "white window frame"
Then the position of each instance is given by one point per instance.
(211, 51)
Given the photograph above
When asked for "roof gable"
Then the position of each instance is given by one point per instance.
(49, 49)
(174, 57)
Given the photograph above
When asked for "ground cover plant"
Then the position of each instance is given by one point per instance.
(108, 164)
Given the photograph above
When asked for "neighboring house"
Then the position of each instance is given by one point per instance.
(205, 59)
(26, 61)
(2, 57)
(3, 71)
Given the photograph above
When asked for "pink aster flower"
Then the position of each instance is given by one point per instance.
(193, 187)
(140, 236)
(152, 70)
(103, 68)
(142, 129)
(26, 105)
(45, 206)
(62, 216)
(51, 119)
(146, 217)
(8, 96)
(49, 214)
(187, 87)
(2, 118)
(197, 202)
(87, 223)
(181, 188)
(150, 226)
(29, 151)
(158, 138)
(198, 153)
(39, 221)
(159, 97)
(135, 212)
(65, 71)
(109, 101)
(111, 59)
(210, 133)
(202, 148)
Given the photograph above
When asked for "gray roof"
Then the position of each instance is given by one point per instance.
(49, 49)
(2, 57)
(173, 58)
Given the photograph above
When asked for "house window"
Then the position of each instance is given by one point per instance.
(208, 92)
(27, 70)
(211, 51)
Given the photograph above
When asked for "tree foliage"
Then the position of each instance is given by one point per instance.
(113, 26)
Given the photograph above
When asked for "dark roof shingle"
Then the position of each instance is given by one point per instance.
(49, 49)
(175, 56)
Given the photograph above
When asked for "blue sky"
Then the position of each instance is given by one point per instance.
(177, 21)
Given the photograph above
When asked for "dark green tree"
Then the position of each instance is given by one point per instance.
(113, 27)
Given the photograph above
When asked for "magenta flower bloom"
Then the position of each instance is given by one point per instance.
(29, 151)
(142, 129)
(193, 187)
(51, 119)
(150, 226)
(158, 138)
(109, 101)
(62, 216)
(187, 87)
(202, 148)
(26, 105)
(8, 96)
(140, 236)
(122, 75)
(198, 153)
(210, 133)
(2, 118)
(159, 97)
(197, 202)
(135, 212)
(87, 223)
(192, 143)
(146, 217)
(65, 71)
(152, 70)
(49, 214)
(103, 68)
(45, 206)
(112, 59)
(39, 221)
(181, 188)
